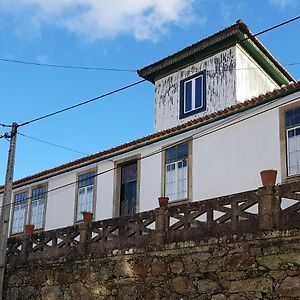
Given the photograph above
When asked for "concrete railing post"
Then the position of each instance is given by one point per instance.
(84, 229)
(160, 224)
(268, 208)
(26, 246)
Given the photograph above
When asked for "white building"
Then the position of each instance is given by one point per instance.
(208, 141)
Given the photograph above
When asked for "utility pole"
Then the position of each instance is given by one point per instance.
(6, 203)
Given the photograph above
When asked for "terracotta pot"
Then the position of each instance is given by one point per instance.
(163, 201)
(268, 177)
(87, 217)
(28, 229)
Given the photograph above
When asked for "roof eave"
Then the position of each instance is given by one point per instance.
(237, 33)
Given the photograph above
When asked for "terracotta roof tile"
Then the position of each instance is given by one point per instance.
(194, 123)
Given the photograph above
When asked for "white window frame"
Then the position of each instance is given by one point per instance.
(183, 112)
(43, 199)
(28, 209)
(79, 208)
(193, 106)
(188, 159)
(290, 152)
(24, 207)
(176, 182)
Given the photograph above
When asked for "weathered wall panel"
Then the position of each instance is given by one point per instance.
(221, 87)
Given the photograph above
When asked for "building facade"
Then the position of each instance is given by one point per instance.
(209, 140)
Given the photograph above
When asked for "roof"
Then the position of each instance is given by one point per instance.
(155, 137)
(237, 33)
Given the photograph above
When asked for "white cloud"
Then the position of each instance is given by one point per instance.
(98, 19)
(284, 3)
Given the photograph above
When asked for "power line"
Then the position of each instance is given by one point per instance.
(52, 144)
(278, 25)
(65, 66)
(81, 103)
(136, 83)
(118, 69)
(195, 136)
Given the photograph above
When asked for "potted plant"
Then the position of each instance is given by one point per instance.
(29, 229)
(268, 177)
(87, 216)
(163, 201)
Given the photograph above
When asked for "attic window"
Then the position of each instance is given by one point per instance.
(192, 95)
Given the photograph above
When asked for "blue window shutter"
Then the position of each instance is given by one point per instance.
(198, 92)
(188, 96)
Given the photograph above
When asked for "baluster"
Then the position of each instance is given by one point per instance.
(234, 214)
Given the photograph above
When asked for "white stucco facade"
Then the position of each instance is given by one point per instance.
(227, 157)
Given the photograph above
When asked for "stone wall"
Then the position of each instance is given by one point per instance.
(234, 267)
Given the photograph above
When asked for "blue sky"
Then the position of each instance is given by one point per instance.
(110, 34)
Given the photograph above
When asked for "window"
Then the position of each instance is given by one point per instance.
(128, 195)
(192, 95)
(85, 194)
(176, 172)
(19, 212)
(29, 207)
(292, 127)
(38, 201)
(127, 186)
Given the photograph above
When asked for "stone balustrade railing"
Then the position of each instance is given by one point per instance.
(252, 211)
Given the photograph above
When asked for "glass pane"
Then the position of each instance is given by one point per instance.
(19, 210)
(176, 153)
(291, 133)
(292, 117)
(198, 92)
(293, 150)
(86, 179)
(188, 96)
(129, 172)
(85, 200)
(170, 181)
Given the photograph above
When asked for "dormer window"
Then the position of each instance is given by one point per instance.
(192, 95)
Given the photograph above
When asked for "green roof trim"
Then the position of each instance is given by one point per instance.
(220, 41)
(266, 64)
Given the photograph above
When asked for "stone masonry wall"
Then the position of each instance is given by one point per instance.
(233, 267)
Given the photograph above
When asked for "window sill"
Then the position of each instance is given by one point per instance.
(179, 201)
(291, 178)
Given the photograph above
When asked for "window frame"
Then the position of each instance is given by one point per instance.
(189, 172)
(28, 210)
(45, 206)
(283, 142)
(182, 113)
(95, 169)
(117, 183)
(13, 211)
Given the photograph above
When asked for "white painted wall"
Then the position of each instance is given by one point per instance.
(150, 188)
(229, 161)
(105, 187)
(60, 203)
(251, 79)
